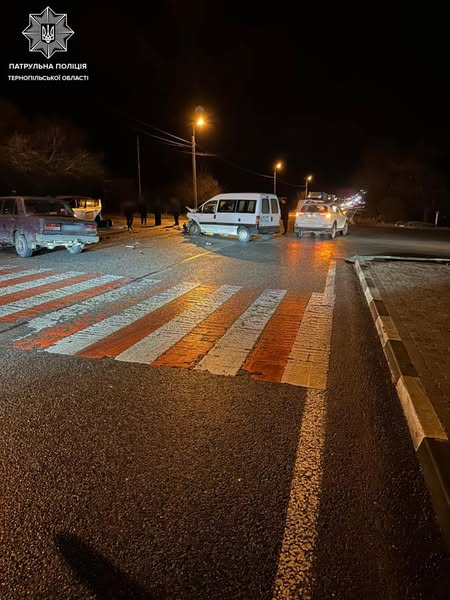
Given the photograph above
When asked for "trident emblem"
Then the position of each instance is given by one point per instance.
(48, 33)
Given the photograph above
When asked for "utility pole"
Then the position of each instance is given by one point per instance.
(139, 165)
(194, 167)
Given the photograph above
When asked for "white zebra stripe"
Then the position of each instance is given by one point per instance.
(14, 307)
(70, 312)
(159, 341)
(6, 267)
(18, 274)
(28, 285)
(94, 333)
(309, 359)
(230, 352)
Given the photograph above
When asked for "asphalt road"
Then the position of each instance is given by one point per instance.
(124, 480)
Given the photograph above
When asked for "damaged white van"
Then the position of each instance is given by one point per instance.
(242, 215)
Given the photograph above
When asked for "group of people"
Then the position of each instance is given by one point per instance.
(129, 208)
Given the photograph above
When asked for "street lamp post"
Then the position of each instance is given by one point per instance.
(199, 122)
(308, 178)
(277, 168)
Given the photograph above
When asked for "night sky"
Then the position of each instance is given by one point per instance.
(314, 89)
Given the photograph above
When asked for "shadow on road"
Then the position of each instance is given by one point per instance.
(96, 572)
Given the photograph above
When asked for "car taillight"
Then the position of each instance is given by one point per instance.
(91, 228)
(257, 220)
(52, 227)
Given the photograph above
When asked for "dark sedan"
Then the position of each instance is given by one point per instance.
(33, 222)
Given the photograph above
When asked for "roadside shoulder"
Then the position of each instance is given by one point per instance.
(427, 432)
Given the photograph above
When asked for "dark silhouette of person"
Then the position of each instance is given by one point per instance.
(142, 209)
(174, 209)
(157, 209)
(128, 211)
(284, 209)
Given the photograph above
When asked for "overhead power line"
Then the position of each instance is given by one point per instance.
(186, 145)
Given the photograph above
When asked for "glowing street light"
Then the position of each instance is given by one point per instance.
(198, 122)
(278, 166)
(308, 179)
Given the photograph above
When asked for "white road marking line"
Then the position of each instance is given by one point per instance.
(27, 285)
(14, 307)
(68, 313)
(6, 267)
(231, 351)
(18, 274)
(94, 333)
(294, 573)
(308, 361)
(159, 341)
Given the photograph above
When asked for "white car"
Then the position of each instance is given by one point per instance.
(319, 217)
(84, 207)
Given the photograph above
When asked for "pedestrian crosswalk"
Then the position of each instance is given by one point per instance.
(274, 335)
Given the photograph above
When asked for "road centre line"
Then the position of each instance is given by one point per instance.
(294, 572)
(294, 578)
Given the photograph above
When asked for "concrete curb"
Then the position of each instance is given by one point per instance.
(428, 435)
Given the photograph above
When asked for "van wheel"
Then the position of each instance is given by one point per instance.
(299, 234)
(194, 229)
(243, 234)
(22, 247)
(345, 229)
(333, 231)
(76, 249)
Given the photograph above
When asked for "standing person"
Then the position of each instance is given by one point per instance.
(128, 211)
(284, 209)
(142, 209)
(174, 207)
(157, 209)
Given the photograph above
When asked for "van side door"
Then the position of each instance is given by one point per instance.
(226, 216)
(206, 216)
(275, 211)
(265, 215)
